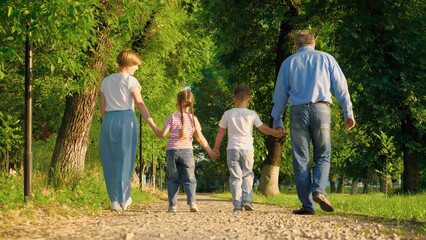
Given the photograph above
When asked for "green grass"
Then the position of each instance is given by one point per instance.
(377, 205)
(400, 209)
(87, 196)
(389, 207)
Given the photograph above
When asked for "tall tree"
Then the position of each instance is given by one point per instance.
(168, 47)
(270, 170)
(379, 43)
(251, 48)
(75, 46)
(71, 144)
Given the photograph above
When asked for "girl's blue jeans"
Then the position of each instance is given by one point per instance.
(180, 166)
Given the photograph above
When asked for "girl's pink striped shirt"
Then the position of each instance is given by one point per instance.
(175, 123)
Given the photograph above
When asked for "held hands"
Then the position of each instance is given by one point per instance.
(214, 154)
(278, 132)
(157, 131)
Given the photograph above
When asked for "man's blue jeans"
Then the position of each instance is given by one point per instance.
(310, 122)
(180, 164)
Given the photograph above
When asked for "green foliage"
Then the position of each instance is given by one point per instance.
(377, 43)
(42, 153)
(203, 45)
(245, 49)
(376, 50)
(208, 180)
(65, 36)
(388, 163)
(10, 139)
(246, 45)
(174, 52)
(212, 98)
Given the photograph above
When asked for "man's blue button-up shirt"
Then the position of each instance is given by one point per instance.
(308, 76)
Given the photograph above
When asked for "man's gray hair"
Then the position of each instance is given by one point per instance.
(303, 38)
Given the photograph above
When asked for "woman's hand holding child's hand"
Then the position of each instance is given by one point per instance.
(156, 130)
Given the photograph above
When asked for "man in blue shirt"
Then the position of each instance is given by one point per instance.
(305, 81)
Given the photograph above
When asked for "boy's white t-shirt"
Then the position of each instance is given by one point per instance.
(239, 122)
(117, 89)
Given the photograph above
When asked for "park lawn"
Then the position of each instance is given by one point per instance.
(86, 197)
(376, 205)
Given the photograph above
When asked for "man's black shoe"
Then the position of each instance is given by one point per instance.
(303, 211)
(322, 200)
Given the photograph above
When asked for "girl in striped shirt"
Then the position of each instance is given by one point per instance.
(183, 125)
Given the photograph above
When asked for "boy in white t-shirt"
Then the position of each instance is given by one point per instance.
(239, 122)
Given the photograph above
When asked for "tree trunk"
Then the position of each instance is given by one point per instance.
(410, 180)
(71, 143)
(383, 188)
(332, 186)
(340, 185)
(135, 179)
(411, 171)
(153, 174)
(332, 178)
(7, 162)
(269, 176)
(226, 184)
(385, 184)
(142, 176)
(269, 184)
(354, 187)
(365, 189)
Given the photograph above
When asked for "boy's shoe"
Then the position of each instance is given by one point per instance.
(172, 209)
(126, 204)
(322, 200)
(303, 211)
(248, 206)
(193, 207)
(116, 207)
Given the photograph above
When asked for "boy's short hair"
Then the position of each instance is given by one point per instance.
(128, 57)
(242, 92)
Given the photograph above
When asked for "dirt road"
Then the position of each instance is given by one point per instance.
(214, 221)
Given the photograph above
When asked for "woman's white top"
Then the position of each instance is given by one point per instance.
(117, 89)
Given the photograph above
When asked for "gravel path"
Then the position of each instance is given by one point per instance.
(214, 221)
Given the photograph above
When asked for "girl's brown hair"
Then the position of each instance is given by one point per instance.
(185, 98)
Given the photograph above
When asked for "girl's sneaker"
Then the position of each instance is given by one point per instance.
(237, 210)
(172, 209)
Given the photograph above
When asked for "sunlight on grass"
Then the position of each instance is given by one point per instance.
(394, 207)
(398, 207)
(87, 196)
